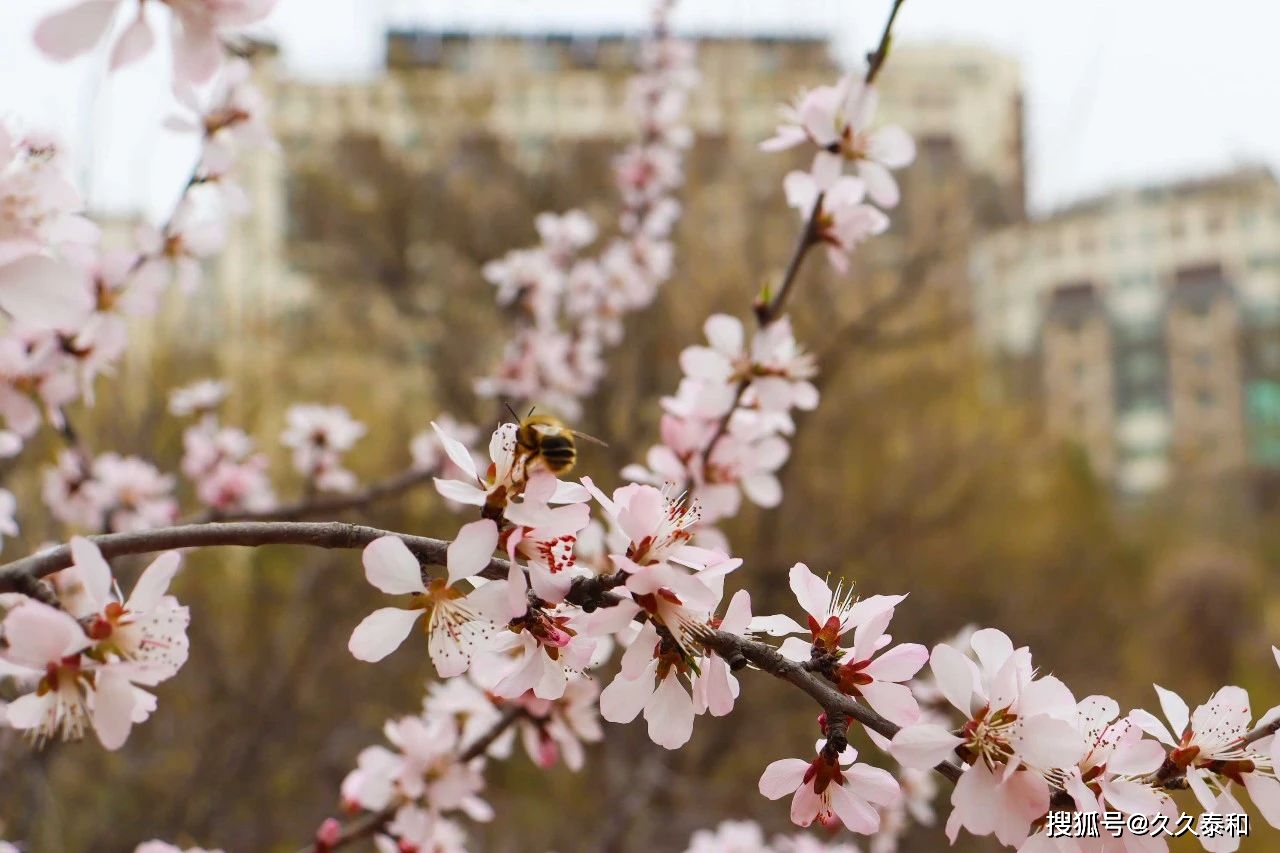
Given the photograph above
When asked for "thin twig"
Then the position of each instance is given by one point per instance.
(767, 659)
(875, 59)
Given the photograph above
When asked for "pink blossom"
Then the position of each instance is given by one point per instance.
(135, 495)
(844, 220)
(545, 537)
(235, 117)
(198, 398)
(831, 613)
(74, 690)
(731, 836)
(166, 847)
(175, 254)
(1207, 745)
(1018, 729)
(836, 119)
(650, 681)
(42, 639)
(318, 436)
(148, 628)
(831, 790)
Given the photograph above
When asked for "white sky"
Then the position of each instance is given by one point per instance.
(1118, 91)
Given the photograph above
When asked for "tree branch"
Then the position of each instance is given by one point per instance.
(876, 58)
(832, 701)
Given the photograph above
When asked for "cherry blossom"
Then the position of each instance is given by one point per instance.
(42, 639)
(198, 398)
(843, 221)
(832, 613)
(831, 789)
(148, 628)
(75, 691)
(318, 436)
(650, 681)
(836, 119)
(236, 117)
(553, 731)
(166, 847)
(658, 551)
(1207, 745)
(457, 620)
(1019, 728)
(731, 836)
(175, 253)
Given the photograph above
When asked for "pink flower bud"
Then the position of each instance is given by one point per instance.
(328, 835)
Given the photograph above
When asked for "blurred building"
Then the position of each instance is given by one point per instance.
(1149, 322)
(530, 89)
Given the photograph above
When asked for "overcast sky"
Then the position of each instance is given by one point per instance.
(1118, 91)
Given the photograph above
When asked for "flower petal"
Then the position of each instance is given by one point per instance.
(389, 566)
(471, 551)
(154, 582)
(669, 713)
(783, 777)
(381, 633)
(44, 292)
(113, 700)
(811, 591)
(69, 33)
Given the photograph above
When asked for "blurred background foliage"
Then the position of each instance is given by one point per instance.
(912, 475)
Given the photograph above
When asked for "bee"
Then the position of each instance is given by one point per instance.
(545, 440)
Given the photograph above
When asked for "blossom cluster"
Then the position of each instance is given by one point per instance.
(318, 436)
(68, 298)
(572, 306)
(1027, 747)
(837, 122)
(109, 492)
(724, 430)
(87, 660)
(229, 475)
(435, 774)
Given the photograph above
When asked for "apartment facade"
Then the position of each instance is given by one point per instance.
(1150, 322)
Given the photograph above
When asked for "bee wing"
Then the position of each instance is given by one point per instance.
(590, 438)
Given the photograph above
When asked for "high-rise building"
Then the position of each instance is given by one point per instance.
(1149, 320)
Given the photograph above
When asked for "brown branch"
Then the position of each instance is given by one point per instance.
(321, 534)
(876, 58)
(23, 575)
(317, 506)
(731, 647)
